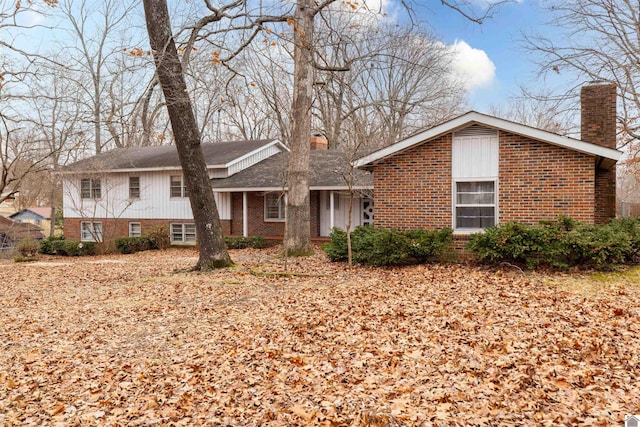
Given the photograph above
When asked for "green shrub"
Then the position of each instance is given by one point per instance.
(562, 243)
(337, 249)
(159, 237)
(254, 242)
(428, 245)
(130, 245)
(73, 248)
(383, 246)
(46, 245)
(28, 247)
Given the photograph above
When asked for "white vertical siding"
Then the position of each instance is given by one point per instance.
(154, 201)
(253, 159)
(475, 154)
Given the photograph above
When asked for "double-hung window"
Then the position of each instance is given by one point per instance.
(134, 187)
(183, 233)
(274, 207)
(474, 171)
(90, 231)
(90, 188)
(135, 229)
(475, 204)
(177, 187)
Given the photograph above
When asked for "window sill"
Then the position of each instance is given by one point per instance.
(273, 220)
(467, 231)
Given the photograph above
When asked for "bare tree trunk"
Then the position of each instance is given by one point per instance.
(213, 251)
(298, 239)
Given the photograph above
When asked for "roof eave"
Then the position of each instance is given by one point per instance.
(474, 117)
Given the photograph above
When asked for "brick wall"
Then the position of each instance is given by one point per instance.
(257, 225)
(413, 189)
(114, 228)
(537, 181)
(540, 181)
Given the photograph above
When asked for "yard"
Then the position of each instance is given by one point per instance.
(127, 340)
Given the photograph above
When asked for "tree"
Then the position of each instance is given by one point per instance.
(298, 233)
(212, 249)
(94, 60)
(597, 40)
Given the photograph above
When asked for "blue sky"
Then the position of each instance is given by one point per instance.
(499, 38)
(490, 54)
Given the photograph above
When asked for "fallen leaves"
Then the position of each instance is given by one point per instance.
(123, 340)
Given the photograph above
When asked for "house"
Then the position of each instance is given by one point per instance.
(128, 191)
(12, 232)
(477, 171)
(7, 206)
(36, 215)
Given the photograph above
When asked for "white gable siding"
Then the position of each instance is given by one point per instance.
(475, 153)
(253, 159)
(154, 201)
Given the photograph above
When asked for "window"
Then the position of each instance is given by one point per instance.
(135, 229)
(90, 188)
(475, 204)
(134, 187)
(183, 233)
(178, 188)
(91, 231)
(274, 206)
(336, 201)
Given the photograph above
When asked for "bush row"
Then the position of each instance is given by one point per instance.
(383, 246)
(58, 245)
(561, 243)
(157, 240)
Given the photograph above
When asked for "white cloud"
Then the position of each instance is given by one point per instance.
(472, 66)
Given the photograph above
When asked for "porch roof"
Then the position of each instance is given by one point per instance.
(329, 170)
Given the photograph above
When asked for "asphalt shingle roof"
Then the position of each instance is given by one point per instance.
(165, 156)
(328, 168)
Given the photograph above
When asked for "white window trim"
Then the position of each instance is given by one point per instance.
(184, 233)
(92, 188)
(92, 232)
(139, 187)
(183, 188)
(496, 189)
(135, 223)
(283, 199)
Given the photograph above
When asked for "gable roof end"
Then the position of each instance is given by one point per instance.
(494, 122)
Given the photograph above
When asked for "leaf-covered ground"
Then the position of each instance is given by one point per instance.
(126, 341)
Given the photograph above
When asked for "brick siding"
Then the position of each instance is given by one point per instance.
(114, 228)
(537, 181)
(257, 225)
(413, 188)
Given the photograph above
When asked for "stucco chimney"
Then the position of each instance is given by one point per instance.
(318, 142)
(598, 114)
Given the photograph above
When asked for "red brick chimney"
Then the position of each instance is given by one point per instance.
(598, 114)
(318, 142)
(598, 126)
